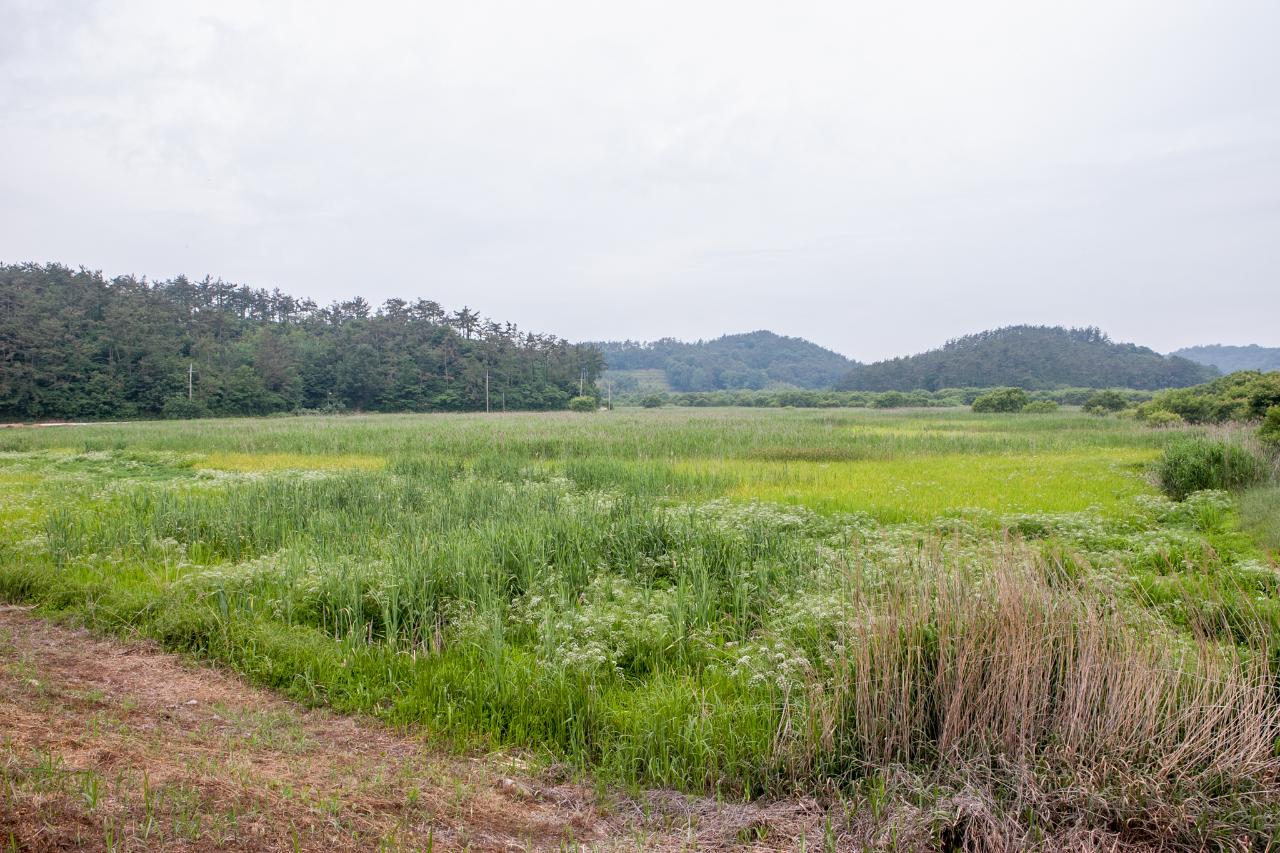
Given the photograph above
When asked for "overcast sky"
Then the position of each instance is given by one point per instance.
(874, 176)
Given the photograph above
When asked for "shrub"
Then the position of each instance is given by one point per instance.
(1239, 396)
(1200, 463)
(652, 401)
(1040, 407)
(1105, 402)
(1270, 432)
(1264, 394)
(583, 404)
(1002, 400)
(891, 400)
(1160, 418)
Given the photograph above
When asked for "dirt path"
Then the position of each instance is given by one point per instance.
(110, 745)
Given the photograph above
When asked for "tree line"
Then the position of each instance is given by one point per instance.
(1229, 359)
(76, 345)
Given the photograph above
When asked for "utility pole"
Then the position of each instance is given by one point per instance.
(582, 382)
(191, 373)
(486, 390)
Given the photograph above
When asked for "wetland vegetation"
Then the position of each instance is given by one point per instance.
(945, 622)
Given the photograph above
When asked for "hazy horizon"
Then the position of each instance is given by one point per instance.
(935, 346)
(876, 180)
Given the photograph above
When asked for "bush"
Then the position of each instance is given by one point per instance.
(652, 401)
(1264, 394)
(1160, 418)
(1240, 396)
(1270, 432)
(891, 400)
(1194, 464)
(1106, 402)
(1002, 400)
(583, 404)
(1040, 407)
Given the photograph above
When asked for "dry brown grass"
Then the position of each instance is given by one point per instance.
(1044, 718)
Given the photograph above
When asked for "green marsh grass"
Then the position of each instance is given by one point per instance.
(742, 601)
(1260, 511)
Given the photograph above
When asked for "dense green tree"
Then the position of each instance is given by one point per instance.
(74, 345)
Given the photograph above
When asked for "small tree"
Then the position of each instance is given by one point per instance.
(1001, 400)
(652, 401)
(583, 404)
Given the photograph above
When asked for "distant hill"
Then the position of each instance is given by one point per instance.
(1229, 359)
(1031, 357)
(747, 361)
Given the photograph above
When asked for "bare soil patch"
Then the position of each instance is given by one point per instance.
(117, 745)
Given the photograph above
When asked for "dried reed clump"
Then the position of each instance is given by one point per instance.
(1039, 716)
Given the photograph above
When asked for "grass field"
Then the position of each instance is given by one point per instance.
(896, 609)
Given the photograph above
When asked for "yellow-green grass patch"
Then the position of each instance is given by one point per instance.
(923, 487)
(290, 461)
(21, 478)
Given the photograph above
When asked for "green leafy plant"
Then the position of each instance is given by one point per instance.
(1002, 400)
(583, 404)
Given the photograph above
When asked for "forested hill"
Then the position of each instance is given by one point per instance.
(75, 345)
(1030, 357)
(753, 360)
(1229, 359)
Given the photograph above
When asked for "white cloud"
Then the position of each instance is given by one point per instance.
(875, 176)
